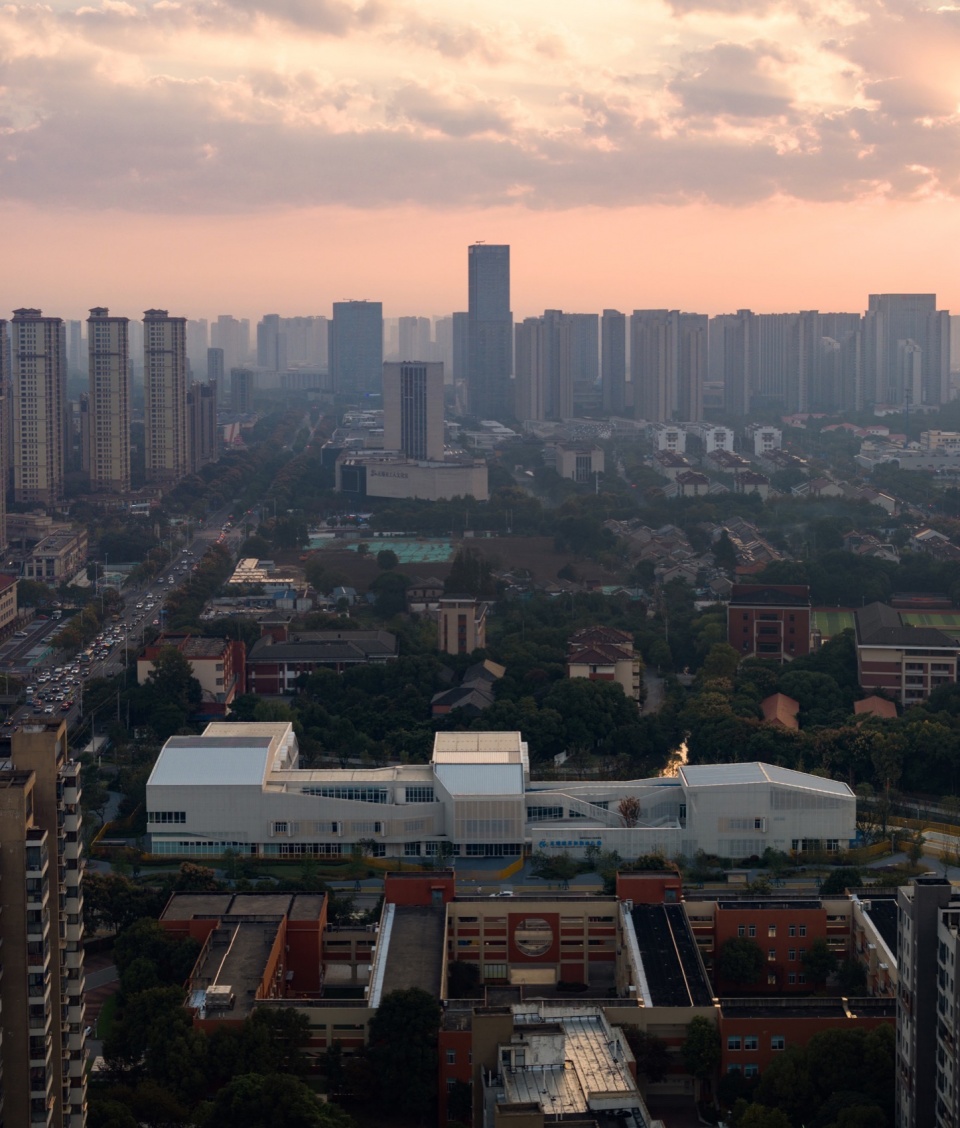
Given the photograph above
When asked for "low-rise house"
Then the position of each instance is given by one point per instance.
(275, 667)
(605, 654)
(218, 664)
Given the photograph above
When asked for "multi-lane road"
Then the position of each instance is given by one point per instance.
(55, 681)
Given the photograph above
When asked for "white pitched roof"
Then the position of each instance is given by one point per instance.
(191, 761)
(736, 775)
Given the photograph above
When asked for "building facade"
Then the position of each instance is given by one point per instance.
(41, 925)
(413, 409)
(241, 784)
(355, 345)
(903, 661)
(109, 402)
(165, 397)
(461, 624)
(489, 331)
(769, 620)
(39, 406)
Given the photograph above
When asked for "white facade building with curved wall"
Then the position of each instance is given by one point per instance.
(240, 787)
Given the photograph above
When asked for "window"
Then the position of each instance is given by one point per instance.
(451, 1057)
(803, 930)
(167, 816)
(792, 955)
(751, 1042)
(751, 1071)
(771, 955)
(771, 930)
(752, 930)
(733, 1042)
(792, 977)
(792, 930)
(803, 952)
(741, 930)
(280, 827)
(421, 794)
(777, 1042)
(771, 979)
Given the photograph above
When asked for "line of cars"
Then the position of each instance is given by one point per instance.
(56, 688)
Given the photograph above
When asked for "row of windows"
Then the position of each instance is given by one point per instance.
(419, 794)
(357, 794)
(166, 816)
(751, 1042)
(751, 930)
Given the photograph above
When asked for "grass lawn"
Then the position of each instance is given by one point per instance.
(108, 1012)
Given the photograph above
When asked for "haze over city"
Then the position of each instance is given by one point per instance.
(228, 155)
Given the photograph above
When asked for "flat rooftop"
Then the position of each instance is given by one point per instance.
(415, 953)
(668, 952)
(236, 957)
(294, 906)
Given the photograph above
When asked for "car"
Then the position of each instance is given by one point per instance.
(156, 622)
(503, 893)
(19, 634)
(66, 707)
(48, 709)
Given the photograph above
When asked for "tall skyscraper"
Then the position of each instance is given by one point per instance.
(76, 360)
(165, 396)
(307, 343)
(233, 337)
(41, 928)
(489, 331)
(668, 360)
(271, 343)
(243, 384)
(461, 348)
(739, 332)
(107, 450)
(356, 348)
(613, 361)
(6, 429)
(198, 341)
(897, 372)
(530, 392)
(413, 409)
(415, 343)
(203, 438)
(39, 408)
(215, 366)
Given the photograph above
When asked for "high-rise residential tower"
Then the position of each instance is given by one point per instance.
(414, 338)
(39, 406)
(489, 331)
(413, 409)
(668, 362)
(108, 422)
(203, 438)
(530, 393)
(165, 396)
(6, 429)
(893, 323)
(233, 336)
(613, 361)
(271, 343)
(41, 928)
(356, 348)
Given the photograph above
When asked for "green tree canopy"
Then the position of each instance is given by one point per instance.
(700, 1050)
(740, 961)
(402, 1051)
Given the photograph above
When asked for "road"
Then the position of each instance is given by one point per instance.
(57, 681)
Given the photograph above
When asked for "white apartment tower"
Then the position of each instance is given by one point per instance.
(165, 396)
(39, 406)
(109, 424)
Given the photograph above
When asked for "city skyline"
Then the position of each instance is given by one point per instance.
(642, 155)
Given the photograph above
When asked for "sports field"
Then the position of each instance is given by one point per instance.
(942, 620)
(408, 551)
(830, 621)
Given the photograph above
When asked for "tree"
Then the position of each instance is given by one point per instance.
(837, 882)
(463, 979)
(700, 1050)
(171, 681)
(852, 976)
(629, 810)
(255, 1100)
(387, 559)
(819, 962)
(651, 1053)
(402, 1051)
(740, 961)
(460, 1102)
(759, 1116)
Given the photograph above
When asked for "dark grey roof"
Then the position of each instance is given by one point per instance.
(880, 625)
(326, 646)
(768, 596)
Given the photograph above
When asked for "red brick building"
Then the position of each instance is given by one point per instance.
(769, 621)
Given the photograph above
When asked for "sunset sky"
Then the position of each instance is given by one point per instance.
(252, 156)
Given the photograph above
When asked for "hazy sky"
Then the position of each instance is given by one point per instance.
(252, 156)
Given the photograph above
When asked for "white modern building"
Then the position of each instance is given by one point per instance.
(239, 787)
